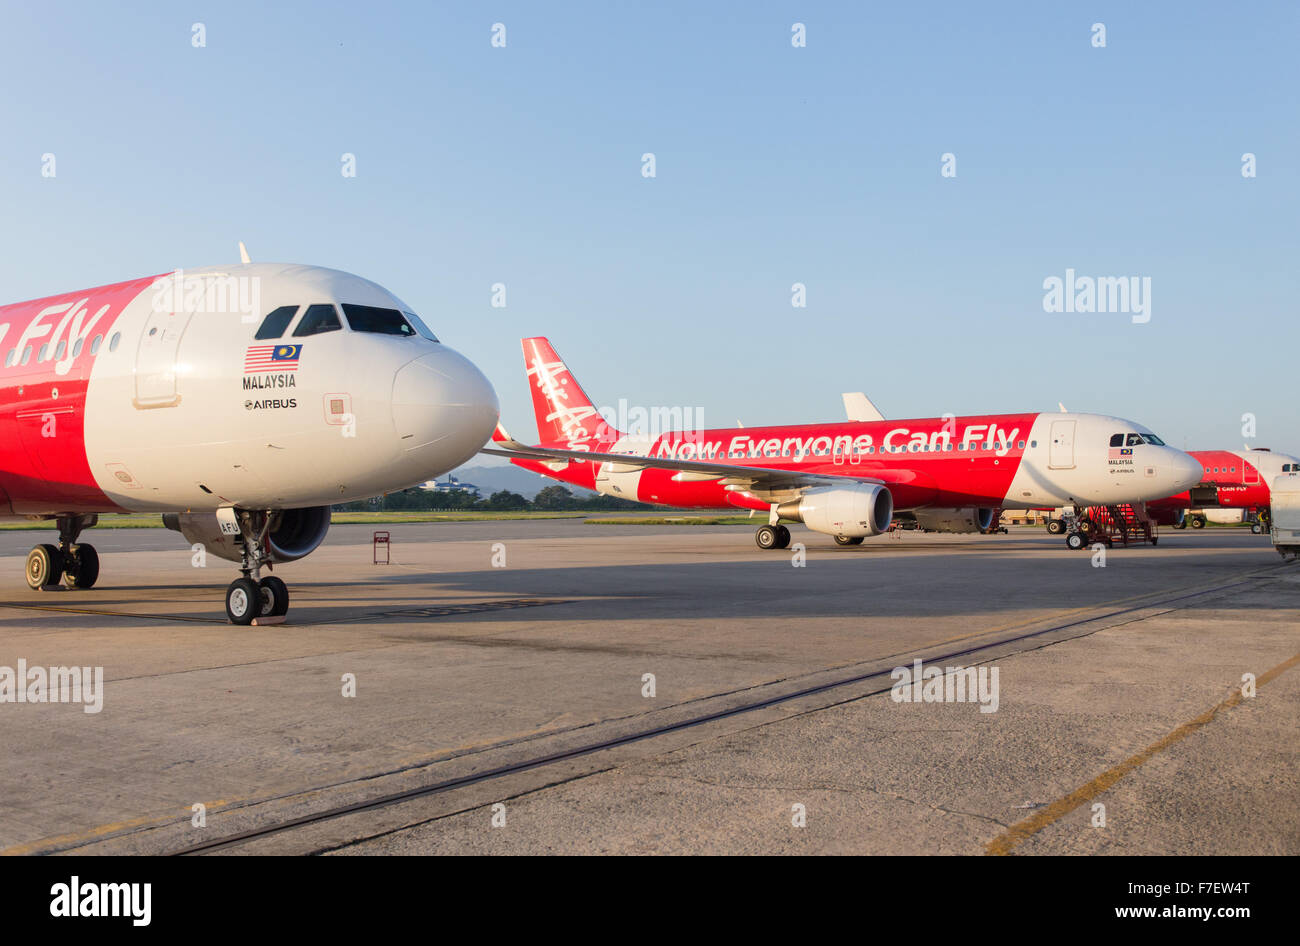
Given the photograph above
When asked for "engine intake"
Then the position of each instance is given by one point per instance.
(855, 511)
(294, 533)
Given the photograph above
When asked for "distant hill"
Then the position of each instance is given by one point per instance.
(492, 479)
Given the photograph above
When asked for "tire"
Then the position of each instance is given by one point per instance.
(1198, 523)
(766, 537)
(848, 540)
(243, 601)
(81, 569)
(275, 597)
(44, 566)
(1055, 527)
(1075, 541)
(1086, 526)
(782, 537)
(1256, 529)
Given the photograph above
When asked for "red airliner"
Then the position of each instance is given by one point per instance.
(1230, 479)
(849, 479)
(239, 401)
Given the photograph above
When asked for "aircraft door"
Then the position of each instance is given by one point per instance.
(155, 360)
(1061, 454)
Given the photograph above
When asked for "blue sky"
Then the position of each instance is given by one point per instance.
(775, 165)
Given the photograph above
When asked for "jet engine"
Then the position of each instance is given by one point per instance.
(968, 519)
(294, 533)
(854, 511)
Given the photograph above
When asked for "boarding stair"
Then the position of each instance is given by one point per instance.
(1125, 523)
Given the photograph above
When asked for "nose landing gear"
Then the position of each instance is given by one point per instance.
(251, 597)
(76, 565)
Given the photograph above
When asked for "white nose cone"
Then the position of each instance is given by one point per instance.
(1187, 471)
(444, 410)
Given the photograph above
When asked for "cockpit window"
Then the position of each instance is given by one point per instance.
(368, 318)
(276, 322)
(1134, 440)
(1153, 440)
(1117, 440)
(318, 318)
(420, 326)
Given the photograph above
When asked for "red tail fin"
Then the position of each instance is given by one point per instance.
(564, 412)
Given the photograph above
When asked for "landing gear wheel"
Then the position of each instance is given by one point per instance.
(1198, 522)
(1086, 526)
(44, 566)
(782, 537)
(1055, 527)
(81, 568)
(766, 537)
(275, 597)
(1075, 540)
(848, 540)
(243, 601)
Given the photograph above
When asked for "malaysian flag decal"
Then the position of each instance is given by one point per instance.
(271, 358)
(1123, 452)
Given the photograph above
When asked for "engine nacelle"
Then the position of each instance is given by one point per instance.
(294, 533)
(967, 519)
(854, 511)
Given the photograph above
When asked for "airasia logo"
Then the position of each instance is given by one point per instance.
(551, 378)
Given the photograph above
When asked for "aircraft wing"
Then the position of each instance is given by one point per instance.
(730, 474)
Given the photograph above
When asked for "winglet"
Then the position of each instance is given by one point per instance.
(500, 437)
(859, 407)
(243, 253)
(1062, 407)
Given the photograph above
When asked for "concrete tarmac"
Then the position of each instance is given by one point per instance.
(502, 703)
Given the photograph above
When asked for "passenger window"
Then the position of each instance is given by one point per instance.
(27, 355)
(11, 357)
(369, 318)
(76, 349)
(276, 322)
(45, 350)
(63, 346)
(113, 342)
(319, 318)
(1117, 440)
(94, 346)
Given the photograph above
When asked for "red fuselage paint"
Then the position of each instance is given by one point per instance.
(43, 463)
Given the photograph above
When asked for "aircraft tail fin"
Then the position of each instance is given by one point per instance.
(564, 412)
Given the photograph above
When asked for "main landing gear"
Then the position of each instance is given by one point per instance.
(252, 596)
(772, 537)
(848, 540)
(75, 565)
